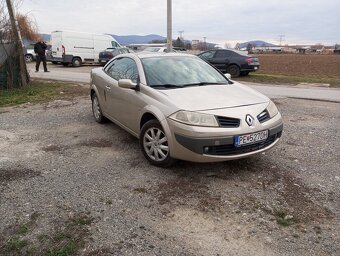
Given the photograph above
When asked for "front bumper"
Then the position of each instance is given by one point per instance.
(200, 148)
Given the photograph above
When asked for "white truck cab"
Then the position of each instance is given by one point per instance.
(77, 48)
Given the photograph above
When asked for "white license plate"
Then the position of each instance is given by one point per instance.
(251, 138)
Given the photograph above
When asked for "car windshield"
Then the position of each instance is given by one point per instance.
(152, 49)
(180, 71)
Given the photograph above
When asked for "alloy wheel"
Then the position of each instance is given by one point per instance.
(156, 144)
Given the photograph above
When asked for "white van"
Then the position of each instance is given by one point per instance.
(77, 48)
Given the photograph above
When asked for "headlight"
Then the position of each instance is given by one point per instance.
(272, 109)
(194, 118)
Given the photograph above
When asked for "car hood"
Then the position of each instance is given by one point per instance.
(210, 97)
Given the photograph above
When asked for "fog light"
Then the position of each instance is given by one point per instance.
(206, 149)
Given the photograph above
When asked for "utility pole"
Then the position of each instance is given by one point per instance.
(169, 26)
(205, 43)
(281, 38)
(18, 41)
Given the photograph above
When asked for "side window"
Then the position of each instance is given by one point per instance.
(207, 55)
(124, 68)
(114, 44)
(222, 54)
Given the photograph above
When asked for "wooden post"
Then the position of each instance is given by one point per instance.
(16, 32)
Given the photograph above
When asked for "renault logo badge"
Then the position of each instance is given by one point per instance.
(249, 120)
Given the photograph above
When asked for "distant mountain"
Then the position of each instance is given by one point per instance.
(134, 39)
(256, 43)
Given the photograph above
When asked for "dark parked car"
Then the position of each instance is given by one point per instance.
(109, 53)
(233, 62)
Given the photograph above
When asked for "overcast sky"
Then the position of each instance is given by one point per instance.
(220, 21)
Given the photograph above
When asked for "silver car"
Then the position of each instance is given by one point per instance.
(180, 107)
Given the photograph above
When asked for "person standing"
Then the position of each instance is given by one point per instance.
(40, 49)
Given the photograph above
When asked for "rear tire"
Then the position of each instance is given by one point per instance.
(76, 62)
(65, 64)
(54, 62)
(154, 144)
(233, 70)
(96, 110)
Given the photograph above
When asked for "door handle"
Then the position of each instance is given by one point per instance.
(108, 87)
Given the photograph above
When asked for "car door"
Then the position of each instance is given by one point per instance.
(221, 60)
(124, 104)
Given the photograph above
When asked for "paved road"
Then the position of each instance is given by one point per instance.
(82, 75)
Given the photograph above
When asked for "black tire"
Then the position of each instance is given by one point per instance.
(76, 62)
(96, 110)
(28, 58)
(65, 64)
(159, 153)
(54, 62)
(244, 73)
(233, 70)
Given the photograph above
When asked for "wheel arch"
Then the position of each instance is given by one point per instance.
(151, 112)
(93, 90)
(233, 63)
(146, 117)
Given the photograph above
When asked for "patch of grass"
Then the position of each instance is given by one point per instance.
(66, 239)
(43, 237)
(40, 92)
(259, 77)
(16, 244)
(61, 236)
(283, 219)
(69, 249)
(82, 220)
(23, 229)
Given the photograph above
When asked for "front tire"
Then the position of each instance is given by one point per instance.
(28, 58)
(96, 110)
(154, 144)
(233, 70)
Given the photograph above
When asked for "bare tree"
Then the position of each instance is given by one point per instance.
(11, 29)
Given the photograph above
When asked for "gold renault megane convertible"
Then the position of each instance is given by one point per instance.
(180, 107)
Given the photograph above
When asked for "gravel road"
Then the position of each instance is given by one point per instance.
(70, 184)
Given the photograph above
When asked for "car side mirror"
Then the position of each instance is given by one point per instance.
(127, 84)
(227, 75)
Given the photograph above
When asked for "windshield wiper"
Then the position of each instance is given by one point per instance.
(202, 83)
(167, 86)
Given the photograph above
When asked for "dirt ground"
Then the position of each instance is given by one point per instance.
(70, 186)
(300, 64)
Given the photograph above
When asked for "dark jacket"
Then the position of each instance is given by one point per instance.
(40, 48)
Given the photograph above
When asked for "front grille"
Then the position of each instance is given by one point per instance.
(263, 116)
(231, 149)
(228, 122)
